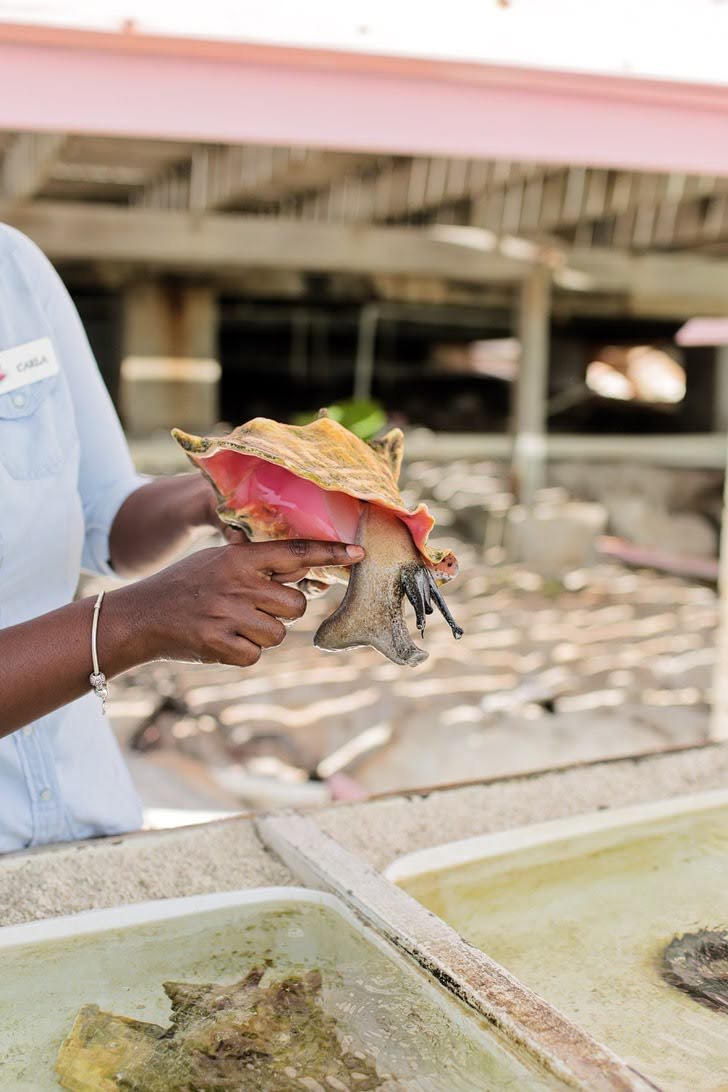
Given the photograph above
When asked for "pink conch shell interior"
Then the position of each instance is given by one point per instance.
(286, 506)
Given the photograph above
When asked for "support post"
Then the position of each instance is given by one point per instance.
(720, 396)
(529, 448)
(719, 708)
(170, 374)
(364, 365)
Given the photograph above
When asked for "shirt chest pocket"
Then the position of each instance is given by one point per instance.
(32, 429)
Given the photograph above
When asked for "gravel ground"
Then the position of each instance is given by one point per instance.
(599, 663)
(611, 663)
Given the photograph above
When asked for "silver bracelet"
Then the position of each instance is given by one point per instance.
(97, 677)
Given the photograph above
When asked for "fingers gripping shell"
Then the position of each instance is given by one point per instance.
(321, 481)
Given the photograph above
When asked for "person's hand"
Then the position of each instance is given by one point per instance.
(210, 502)
(227, 603)
(199, 506)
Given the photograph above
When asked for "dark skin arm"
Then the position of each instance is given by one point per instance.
(219, 605)
(157, 521)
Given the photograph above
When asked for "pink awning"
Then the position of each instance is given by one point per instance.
(703, 331)
(135, 84)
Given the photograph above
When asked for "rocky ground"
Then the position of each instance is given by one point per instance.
(601, 662)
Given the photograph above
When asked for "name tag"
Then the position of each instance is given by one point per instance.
(27, 364)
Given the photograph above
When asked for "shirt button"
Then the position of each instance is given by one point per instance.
(19, 400)
(46, 795)
(28, 730)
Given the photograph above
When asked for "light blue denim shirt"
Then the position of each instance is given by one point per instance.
(65, 470)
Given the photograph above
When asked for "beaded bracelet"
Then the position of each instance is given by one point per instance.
(97, 677)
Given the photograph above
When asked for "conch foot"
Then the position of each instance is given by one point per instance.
(371, 611)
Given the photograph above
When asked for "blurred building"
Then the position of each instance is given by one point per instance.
(261, 215)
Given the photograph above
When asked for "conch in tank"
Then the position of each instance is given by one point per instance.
(239, 1038)
(320, 481)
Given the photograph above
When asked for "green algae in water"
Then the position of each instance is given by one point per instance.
(222, 1039)
(385, 1009)
(586, 921)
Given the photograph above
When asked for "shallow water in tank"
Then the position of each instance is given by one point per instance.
(584, 920)
(419, 1037)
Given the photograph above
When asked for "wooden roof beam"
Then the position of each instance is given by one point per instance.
(221, 176)
(217, 243)
(636, 207)
(398, 190)
(27, 164)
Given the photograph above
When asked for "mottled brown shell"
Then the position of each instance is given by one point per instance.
(326, 453)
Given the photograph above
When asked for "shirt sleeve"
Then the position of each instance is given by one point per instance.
(106, 472)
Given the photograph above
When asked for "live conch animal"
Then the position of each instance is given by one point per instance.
(320, 481)
(244, 1037)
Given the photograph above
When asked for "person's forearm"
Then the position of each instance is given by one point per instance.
(224, 604)
(45, 663)
(155, 522)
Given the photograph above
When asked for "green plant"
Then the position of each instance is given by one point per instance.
(364, 418)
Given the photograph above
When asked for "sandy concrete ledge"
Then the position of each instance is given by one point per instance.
(226, 855)
(219, 856)
(383, 830)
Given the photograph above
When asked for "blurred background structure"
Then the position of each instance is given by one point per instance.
(506, 231)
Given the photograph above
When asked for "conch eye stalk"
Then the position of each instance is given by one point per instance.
(321, 481)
